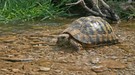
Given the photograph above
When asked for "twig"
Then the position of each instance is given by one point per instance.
(79, 1)
(84, 6)
(16, 59)
(98, 12)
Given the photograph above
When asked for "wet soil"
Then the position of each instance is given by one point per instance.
(32, 51)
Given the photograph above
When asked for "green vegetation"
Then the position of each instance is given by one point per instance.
(119, 5)
(27, 10)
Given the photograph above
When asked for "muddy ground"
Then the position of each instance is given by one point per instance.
(33, 52)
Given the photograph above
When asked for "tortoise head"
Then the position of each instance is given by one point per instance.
(63, 39)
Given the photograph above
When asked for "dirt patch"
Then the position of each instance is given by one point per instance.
(34, 52)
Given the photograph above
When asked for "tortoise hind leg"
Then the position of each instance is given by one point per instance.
(75, 44)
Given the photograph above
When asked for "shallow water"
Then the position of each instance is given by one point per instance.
(19, 27)
(128, 24)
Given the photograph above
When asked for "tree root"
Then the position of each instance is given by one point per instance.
(113, 16)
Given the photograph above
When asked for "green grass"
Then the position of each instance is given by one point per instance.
(25, 10)
(29, 10)
(124, 14)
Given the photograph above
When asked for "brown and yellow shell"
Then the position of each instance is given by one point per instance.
(92, 30)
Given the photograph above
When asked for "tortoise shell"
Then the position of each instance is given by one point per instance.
(91, 30)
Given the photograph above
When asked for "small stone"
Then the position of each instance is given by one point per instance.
(44, 69)
(130, 59)
(5, 70)
(113, 64)
(119, 35)
(58, 71)
(54, 40)
(95, 60)
(108, 73)
(99, 68)
(40, 45)
(114, 57)
(15, 70)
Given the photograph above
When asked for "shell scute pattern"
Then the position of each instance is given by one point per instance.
(91, 30)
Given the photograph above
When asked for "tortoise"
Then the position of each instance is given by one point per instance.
(87, 32)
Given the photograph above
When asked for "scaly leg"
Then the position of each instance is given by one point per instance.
(76, 45)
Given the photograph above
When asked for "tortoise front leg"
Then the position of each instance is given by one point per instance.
(75, 44)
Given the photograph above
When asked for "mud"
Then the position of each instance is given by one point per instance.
(34, 52)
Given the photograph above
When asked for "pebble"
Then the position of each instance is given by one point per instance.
(58, 71)
(5, 70)
(95, 60)
(113, 64)
(15, 70)
(109, 73)
(130, 59)
(54, 40)
(44, 69)
(99, 68)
